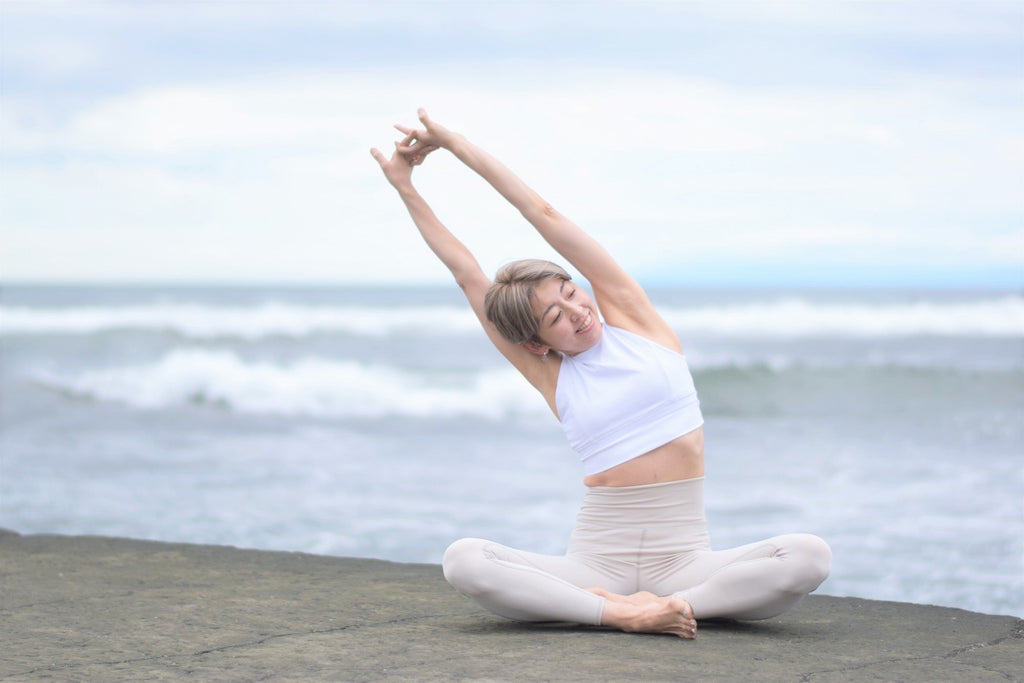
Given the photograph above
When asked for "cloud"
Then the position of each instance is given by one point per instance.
(739, 169)
(267, 175)
(906, 17)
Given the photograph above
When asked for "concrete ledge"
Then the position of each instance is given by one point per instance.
(87, 608)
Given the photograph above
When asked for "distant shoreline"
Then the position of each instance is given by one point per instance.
(1005, 281)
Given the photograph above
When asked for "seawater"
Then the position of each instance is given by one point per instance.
(379, 422)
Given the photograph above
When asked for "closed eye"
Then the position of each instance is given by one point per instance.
(558, 316)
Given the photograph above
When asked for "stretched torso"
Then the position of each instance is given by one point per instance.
(630, 410)
(682, 458)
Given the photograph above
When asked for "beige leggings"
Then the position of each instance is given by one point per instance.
(640, 538)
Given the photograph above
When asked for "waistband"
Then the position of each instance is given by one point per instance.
(645, 490)
(670, 502)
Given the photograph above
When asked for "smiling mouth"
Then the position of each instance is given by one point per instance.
(586, 323)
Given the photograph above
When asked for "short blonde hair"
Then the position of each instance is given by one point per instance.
(509, 301)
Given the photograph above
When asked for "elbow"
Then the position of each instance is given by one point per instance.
(539, 210)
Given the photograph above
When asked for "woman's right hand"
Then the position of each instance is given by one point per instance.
(419, 142)
(397, 169)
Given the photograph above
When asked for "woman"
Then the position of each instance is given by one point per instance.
(639, 558)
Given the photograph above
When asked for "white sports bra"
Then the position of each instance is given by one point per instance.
(624, 397)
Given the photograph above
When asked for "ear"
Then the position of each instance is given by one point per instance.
(534, 347)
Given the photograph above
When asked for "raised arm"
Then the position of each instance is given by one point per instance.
(462, 264)
(452, 253)
(622, 301)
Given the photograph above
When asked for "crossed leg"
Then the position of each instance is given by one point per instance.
(755, 581)
(532, 587)
(528, 586)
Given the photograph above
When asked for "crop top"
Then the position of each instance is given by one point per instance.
(624, 397)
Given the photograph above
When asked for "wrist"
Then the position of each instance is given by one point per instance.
(454, 143)
(405, 189)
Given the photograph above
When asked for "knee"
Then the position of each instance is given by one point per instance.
(462, 565)
(815, 557)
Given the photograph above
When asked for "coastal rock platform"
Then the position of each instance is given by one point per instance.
(90, 608)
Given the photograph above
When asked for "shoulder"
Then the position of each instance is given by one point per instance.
(651, 327)
(629, 308)
(634, 339)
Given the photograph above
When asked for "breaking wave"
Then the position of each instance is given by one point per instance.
(779, 318)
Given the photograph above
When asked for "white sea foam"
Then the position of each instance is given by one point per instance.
(313, 387)
(794, 317)
(772, 318)
(344, 388)
(247, 322)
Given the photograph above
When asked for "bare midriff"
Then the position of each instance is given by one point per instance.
(681, 458)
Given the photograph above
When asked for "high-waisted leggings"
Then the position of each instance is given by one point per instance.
(640, 538)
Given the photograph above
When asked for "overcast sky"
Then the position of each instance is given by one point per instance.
(725, 142)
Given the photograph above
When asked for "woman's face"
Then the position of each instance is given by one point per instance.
(568, 318)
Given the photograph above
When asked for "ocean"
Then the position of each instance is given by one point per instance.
(379, 422)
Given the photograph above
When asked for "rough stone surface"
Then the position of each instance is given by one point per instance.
(87, 608)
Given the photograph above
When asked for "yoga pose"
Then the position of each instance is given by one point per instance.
(614, 374)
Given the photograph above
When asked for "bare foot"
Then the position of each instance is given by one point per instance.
(645, 612)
